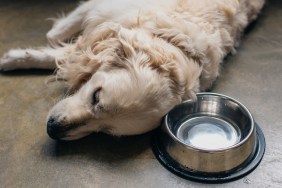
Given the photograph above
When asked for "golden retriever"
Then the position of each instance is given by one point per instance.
(133, 61)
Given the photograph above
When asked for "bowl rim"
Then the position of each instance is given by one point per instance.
(251, 132)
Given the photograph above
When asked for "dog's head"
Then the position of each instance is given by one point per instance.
(125, 81)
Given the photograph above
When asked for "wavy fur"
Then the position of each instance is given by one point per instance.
(133, 61)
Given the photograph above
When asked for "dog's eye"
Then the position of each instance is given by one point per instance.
(96, 96)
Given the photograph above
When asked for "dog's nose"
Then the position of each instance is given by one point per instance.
(54, 129)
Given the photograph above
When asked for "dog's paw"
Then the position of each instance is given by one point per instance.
(12, 59)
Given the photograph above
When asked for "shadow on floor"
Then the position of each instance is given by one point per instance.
(99, 146)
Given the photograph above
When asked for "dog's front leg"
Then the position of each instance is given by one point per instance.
(66, 27)
(44, 58)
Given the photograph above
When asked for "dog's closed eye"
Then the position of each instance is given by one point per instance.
(96, 96)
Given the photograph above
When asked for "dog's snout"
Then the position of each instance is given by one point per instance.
(54, 128)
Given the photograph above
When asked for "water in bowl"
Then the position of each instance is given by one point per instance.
(207, 132)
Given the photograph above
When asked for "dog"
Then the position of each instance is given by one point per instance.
(128, 63)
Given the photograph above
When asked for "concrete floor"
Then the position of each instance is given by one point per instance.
(29, 158)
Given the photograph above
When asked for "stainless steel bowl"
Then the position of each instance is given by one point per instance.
(212, 135)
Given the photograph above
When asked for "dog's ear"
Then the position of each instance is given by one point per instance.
(183, 76)
(192, 75)
(193, 49)
(202, 53)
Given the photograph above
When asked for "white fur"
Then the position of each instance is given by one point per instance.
(139, 57)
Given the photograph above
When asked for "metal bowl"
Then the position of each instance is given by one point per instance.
(215, 134)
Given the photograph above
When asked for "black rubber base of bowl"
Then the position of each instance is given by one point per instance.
(247, 167)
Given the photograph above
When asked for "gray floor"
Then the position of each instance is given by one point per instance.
(29, 158)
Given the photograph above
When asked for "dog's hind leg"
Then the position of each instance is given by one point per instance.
(44, 58)
(66, 27)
